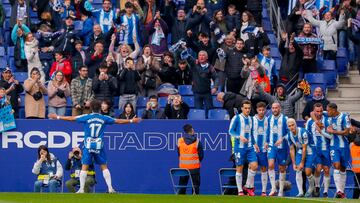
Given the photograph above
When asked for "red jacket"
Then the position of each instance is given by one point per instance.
(64, 66)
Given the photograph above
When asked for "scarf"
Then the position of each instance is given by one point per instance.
(308, 40)
(146, 59)
(318, 98)
(21, 11)
(157, 36)
(106, 21)
(244, 36)
(125, 20)
(251, 29)
(356, 22)
(204, 66)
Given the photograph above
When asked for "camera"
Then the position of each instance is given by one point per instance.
(198, 8)
(76, 154)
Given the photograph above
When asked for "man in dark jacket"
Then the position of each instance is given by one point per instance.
(152, 111)
(176, 24)
(202, 43)
(183, 73)
(176, 108)
(231, 102)
(355, 38)
(104, 85)
(99, 36)
(188, 145)
(198, 20)
(13, 89)
(78, 58)
(318, 97)
(95, 58)
(66, 41)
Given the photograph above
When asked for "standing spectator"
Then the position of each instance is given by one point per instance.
(18, 38)
(58, 91)
(13, 89)
(111, 65)
(149, 11)
(63, 65)
(183, 73)
(67, 10)
(247, 19)
(309, 50)
(95, 58)
(295, 21)
(355, 157)
(106, 16)
(48, 169)
(202, 43)
(99, 36)
(219, 27)
(176, 108)
(104, 85)
(87, 29)
(328, 31)
(158, 32)
(318, 97)
(152, 111)
(198, 20)
(81, 93)
(176, 24)
(78, 58)
(32, 55)
(233, 19)
(66, 41)
(354, 38)
(269, 64)
(257, 39)
(128, 84)
(129, 23)
(191, 153)
(231, 102)
(128, 112)
(167, 71)
(20, 11)
(255, 7)
(34, 99)
(149, 67)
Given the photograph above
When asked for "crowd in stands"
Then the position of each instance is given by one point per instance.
(77, 50)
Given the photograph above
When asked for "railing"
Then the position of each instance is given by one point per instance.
(275, 18)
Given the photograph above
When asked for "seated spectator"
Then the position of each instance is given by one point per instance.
(104, 85)
(152, 111)
(81, 93)
(167, 71)
(18, 38)
(328, 31)
(183, 73)
(176, 108)
(13, 89)
(58, 91)
(87, 29)
(158, 32)
(73, 164)
(78, 58)
(63, 65)
(48, 169)
(355, 37)
(128, 84)
(66, 41)
(106, 108)
(231, 102)
(128, 112)
(309, 50)
(318, 97)
(269, 64)
(34, 97)
(95, 58)
(32, 55)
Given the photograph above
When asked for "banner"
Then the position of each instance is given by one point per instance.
(7, 121)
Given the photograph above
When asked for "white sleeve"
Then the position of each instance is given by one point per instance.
(36, 168)
(59, 169)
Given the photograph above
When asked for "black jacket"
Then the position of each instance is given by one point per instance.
(128, 81)
(93, 63)
(202, 77)
(231, 101)
(356, 39)
(148, 114)
(177, 27)
(105, 38)
(14, 95)
(234, 64)
(290, 62)
(167, 74)
(198, 23)
(66, 41)
(182, 113)
(183, 77)
(309, 107)
(76, 63)
(255, 43)
(105, 89)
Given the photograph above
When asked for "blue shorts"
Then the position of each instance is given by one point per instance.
(280, 155)
(323, 158)
(309, 160)
(262, 159)
(341, 155)
(242, 155)
(89, 158)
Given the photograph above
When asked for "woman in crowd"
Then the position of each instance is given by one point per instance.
(32, 55)
(128, 112)
(34, 97)
(58, 91)
(158, 31)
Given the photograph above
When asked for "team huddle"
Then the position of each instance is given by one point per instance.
(263, 141)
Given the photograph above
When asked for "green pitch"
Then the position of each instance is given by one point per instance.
(139, 198)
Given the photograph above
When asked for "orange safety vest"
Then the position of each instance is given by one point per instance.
(265, 83)
(355, 156)
(189, 157)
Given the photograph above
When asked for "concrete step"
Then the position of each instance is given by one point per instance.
(354, 72)
(346, 104)
(355, 115)
(349, 90)
(350, 79)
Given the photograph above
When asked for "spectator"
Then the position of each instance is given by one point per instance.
(149, 67)
(309, 50)
(219, 27)
(191, 153)
(47, 19)
(66, 41)
(67, 10)
(269, 64)
(295, 21)
(247, 20)
(2, 20)
(203, 43)
(177, 25)
(287, 102)
(231, 102)
(354, 38)
(128, 112)
(257, 40)
(81, 93)
(355, 156)
(73, 164)
(203, 73)
(198, 20)
(328, 31)
(32, 55)
(318, 97)
(176, 108)
(233, 19)
(78, 58)
(4, 99)
(111, 65)
(129, 23)
(63, 65)
(106, 16)
(292, 57)
(149, 12)
(128, 84)
(48, 169)
(58, 91)
(106, 108)
(87, 29)
(13, 89)
(34, 99)
(18, 38)
(95, 58)
(104, 85)
(99, 36)
(158, 32)
(183, 73)
(167, 71)
(152, 111)
(20, 11)
(255, 7)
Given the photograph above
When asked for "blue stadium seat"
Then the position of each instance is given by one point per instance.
(12, 64)
(272, 38)
(2, 51)
(139, 112)
(7, 11)
(189, 100)
(196, 114)
(98, 1)
(315, 78)
(22, 100)
(68, 111)
(33, 14)
(68, 102)
(141, 102)
(342, 61)
(218, 114)
(7, 24)
(117, 112)
(274, 52)
(10, 51)
(3, 62)
(185, 90)
(116, 102)
(21, 113)
(216, 103)
(277, 65)
(329, 69)
(21, 76)
(342, 52)
(162, 102)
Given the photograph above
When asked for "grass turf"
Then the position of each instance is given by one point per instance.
(139, 198)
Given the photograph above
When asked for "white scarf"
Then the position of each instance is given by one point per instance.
(125, 23)
(157, 36)
(244, 36)
(146, 59)
(21, 11)
(106, 22)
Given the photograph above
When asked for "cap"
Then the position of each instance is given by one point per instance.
(281, 85)
(6, 70)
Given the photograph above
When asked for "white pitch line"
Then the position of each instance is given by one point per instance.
(313, 200)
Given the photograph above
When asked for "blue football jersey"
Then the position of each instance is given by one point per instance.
(302, 137)
(277, 129)
(241, 125)
(339, 123)
(259, 132)
(321, 139)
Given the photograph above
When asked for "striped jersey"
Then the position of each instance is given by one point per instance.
(339, 123)
(241, 125)
(321, 140)
(302, 137)
(259, 131)
(277, 129)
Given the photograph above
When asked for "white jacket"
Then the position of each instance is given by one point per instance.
(59, 169)
(32, 55)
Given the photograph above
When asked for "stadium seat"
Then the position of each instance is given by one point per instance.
(141, 102)
(12, 64)
(272, 38)
(216, 103)
(196, 114)
(22, 100)
(185, 90)
(180, 172)
(162, 102)
(98, 1)
(116, 102)
(274, 52)
(10, 51)
(5, 1)
(7, 24)
(21, 113)
(189, 100)
(218, 114)
(315, 78)
(2, 51)
(69, 102)
(139, 112)
(68, 111)
(224, 175)
(277, 64)
(7, 11)
(329, 69)
(342, 61)
(21, 76)
(117, 112)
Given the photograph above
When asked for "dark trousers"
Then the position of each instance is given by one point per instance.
(234, 85)
(330, 55)
(201, 99)
(184, 181)
(356, 193)
(309, 66)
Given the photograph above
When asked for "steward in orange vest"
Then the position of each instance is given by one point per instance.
(191, 153)
(355, 156)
